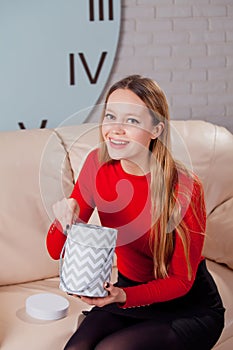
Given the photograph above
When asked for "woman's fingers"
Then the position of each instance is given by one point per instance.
(66, 212)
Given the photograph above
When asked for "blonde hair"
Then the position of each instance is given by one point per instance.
(165, 209)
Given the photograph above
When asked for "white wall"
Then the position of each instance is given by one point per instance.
(187, 47)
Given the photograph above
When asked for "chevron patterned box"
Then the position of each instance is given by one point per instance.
(88, 258)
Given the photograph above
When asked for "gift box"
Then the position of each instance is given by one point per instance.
(86, 259)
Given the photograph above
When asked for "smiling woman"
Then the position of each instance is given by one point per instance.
(164, 297)
(128, 129)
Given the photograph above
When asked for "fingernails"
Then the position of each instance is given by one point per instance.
(66, 230)
(106, 285)
(85, 313)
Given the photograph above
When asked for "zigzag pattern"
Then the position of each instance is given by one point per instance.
(93, 235)
(88, 260)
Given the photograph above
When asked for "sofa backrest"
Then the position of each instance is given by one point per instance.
(39, 167)
(211, 151)
(34, 173)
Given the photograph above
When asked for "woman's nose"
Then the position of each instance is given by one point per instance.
(118, 128)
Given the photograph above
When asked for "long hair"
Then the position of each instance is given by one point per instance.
(165, 209)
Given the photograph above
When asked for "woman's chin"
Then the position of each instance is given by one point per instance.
(115, 154)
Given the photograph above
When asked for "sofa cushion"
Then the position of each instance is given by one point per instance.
(33, 177)
(23, 329)
(19, 331)
(210, 148)
(218, 244)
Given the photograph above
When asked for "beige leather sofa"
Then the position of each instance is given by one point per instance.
(39, 167)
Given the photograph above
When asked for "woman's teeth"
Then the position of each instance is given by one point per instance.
(118, 142)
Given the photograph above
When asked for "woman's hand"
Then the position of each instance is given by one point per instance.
(66, 211)
(116, 295)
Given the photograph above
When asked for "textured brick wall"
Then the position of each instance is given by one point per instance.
(187, 47)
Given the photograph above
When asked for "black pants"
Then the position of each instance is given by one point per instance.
(192, 322)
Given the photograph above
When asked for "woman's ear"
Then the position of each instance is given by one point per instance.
(157, 130)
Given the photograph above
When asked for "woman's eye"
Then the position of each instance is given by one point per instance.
(132, 121)
(109, 116)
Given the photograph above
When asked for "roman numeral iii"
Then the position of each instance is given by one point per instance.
(100, 4)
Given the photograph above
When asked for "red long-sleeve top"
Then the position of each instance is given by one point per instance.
(123, 202)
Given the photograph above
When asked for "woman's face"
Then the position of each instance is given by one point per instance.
(127, 127)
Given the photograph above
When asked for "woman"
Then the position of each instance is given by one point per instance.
(164, 297)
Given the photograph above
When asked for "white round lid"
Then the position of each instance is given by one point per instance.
(47, 306)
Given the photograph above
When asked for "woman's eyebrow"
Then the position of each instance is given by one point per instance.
(109, 110)
(126, 114)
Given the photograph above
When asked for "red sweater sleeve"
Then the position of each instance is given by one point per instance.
(82, 193)
(177, 283)
(55, 240)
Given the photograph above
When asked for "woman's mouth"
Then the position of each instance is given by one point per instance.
(115, 142)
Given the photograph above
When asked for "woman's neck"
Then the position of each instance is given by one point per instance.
(135, 169)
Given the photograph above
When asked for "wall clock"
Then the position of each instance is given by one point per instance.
(55, 59)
